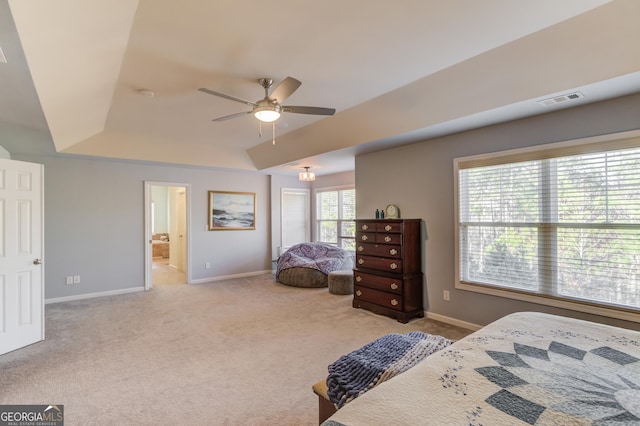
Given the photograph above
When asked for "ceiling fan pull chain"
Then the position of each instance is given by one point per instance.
(259, 128)
(273, 123)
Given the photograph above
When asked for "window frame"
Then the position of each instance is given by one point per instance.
(602, 143)
(339, 221)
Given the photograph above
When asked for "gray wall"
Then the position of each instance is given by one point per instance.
(420, 182)
(334, 180)
(94, 223)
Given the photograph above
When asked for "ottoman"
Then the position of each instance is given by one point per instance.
(341, 282)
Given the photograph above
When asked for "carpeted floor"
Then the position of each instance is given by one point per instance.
(164, 274)
(236, 352)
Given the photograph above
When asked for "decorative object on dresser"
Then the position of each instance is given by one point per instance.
(392, 212)
(388, 272)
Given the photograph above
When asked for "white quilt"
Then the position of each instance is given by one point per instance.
(526, 368)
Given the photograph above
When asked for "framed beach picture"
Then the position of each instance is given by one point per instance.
(232, 210)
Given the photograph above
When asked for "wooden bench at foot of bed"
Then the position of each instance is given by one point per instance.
(325, 406)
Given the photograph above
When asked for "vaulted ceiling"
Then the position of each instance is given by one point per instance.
(77, 71)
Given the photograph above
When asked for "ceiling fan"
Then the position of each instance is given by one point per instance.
(270, 108)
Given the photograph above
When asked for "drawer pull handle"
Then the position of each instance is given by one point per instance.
(394, 302)
(393, 252)
(360, 248)
(387, 239)
(387, 228)
(358, 293)
(364, 238)
(393, 266)
(365, 227)
(394, 286)
(360, 261)
(358, 278)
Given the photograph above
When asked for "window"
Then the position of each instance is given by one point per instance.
(336, 217)
(562, 222)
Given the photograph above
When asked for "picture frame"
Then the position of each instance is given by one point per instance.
(232, 211)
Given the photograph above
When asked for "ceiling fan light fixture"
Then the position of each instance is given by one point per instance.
(269, 108)
(267, 116)
(267, 113)
(307, 176)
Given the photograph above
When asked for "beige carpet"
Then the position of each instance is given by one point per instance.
(237, 352)
(164, 274)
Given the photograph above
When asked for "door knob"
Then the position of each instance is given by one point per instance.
(37, 261)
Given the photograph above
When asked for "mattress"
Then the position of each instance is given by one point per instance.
(526, 368)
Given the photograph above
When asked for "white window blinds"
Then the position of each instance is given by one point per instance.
(565, 225)
(336, 213)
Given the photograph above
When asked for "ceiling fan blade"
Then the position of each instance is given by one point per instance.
(229, 117)
(285, 89)
(222, 95)
(308, 110)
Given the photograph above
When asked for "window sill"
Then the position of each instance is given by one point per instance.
(622, 314)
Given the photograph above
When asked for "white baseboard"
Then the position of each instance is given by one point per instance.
(453, 321)
(228, 277)
(136, 289)
(92, 295)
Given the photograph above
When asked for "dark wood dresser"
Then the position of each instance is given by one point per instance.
(388, 272)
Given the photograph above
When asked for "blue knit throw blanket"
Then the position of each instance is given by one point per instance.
(355, 373)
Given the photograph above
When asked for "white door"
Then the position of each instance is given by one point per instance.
(177, 227)
(21, 252)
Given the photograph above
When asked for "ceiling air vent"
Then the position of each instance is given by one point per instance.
(561, 99)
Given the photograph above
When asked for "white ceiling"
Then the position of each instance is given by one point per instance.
(395, 72)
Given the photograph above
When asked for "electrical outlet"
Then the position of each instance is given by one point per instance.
(76, 279)
(445, 295)
(207, 265)
(69, 280)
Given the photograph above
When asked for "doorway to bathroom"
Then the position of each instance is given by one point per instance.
(166, 234)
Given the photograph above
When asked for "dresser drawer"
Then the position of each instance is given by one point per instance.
(366, 227)
(383, 250)
(366, 237)
(395, 227)
(379, 263)
(381, 298)
(378, 237)
(378, 282)
(389, 238)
